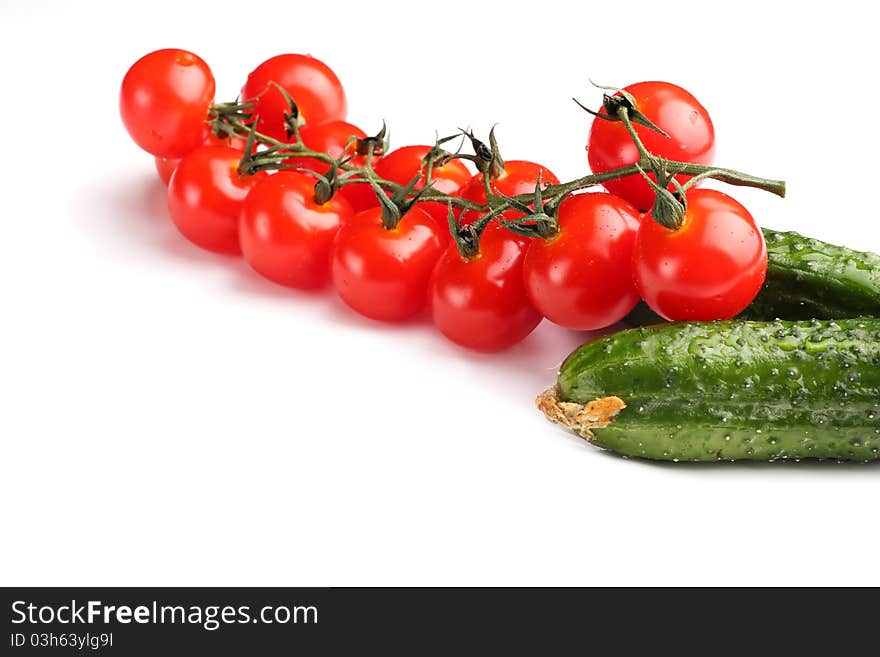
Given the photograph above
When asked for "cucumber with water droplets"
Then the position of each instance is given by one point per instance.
(712, 391)
(806, 279)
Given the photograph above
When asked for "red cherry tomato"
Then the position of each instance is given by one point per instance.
(285, 235)
(310, 82)
(205, 197)
(401, 166)
(331, 138)
(383, 274)
(581, 277)
(672, 109)
(519, 177)
(481, 302)
(165, 166)
(710, 268)
(164, 101)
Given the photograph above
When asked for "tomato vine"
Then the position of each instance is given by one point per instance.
(539, 207)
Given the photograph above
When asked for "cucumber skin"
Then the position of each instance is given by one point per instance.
(736, 390)
(806, 279)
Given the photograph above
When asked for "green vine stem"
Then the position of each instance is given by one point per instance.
(232, 119)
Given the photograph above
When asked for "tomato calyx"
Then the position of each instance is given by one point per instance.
(394, 207)
(439, 156)
(670, 207)
(615, 105)
(374, 146)
(222, 116)
(467, 236)
(329, 183)
(540, 218)
(293, 121)
(487, 159)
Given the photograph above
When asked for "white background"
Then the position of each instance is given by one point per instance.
(167, 417)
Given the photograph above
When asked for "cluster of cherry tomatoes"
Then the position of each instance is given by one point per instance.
(604, 254)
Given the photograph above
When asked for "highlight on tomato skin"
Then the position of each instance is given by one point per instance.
(580, 278)
(205, 197)
(312, 84)
(691, 138)
(164, 101)
(383, 274)
(710, 268)
(285, 234)
(480, 303)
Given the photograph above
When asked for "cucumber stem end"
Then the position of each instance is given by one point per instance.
(580, 418)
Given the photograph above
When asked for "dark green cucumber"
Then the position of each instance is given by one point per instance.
(710, 391)
(806, 279)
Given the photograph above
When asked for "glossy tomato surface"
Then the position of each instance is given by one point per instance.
(205, 196)
(164, 102)
(285, 235)
(383, 274)
(581, 277)
(710, 268)
(675, 111)
(481, 302)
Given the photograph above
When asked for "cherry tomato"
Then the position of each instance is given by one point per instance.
(310, 82)
(481, 302)
(164, 101)
(165, 166)
(205, 197)
(581, 277)
(331, 138)
(383, 274)
(519, 177)
(710, 268)
(672, 109)
(285, 235)
(401, 166)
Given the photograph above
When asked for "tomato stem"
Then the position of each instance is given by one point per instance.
(623, 114)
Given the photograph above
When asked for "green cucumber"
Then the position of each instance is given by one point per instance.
(806, 279)
(713, 391)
